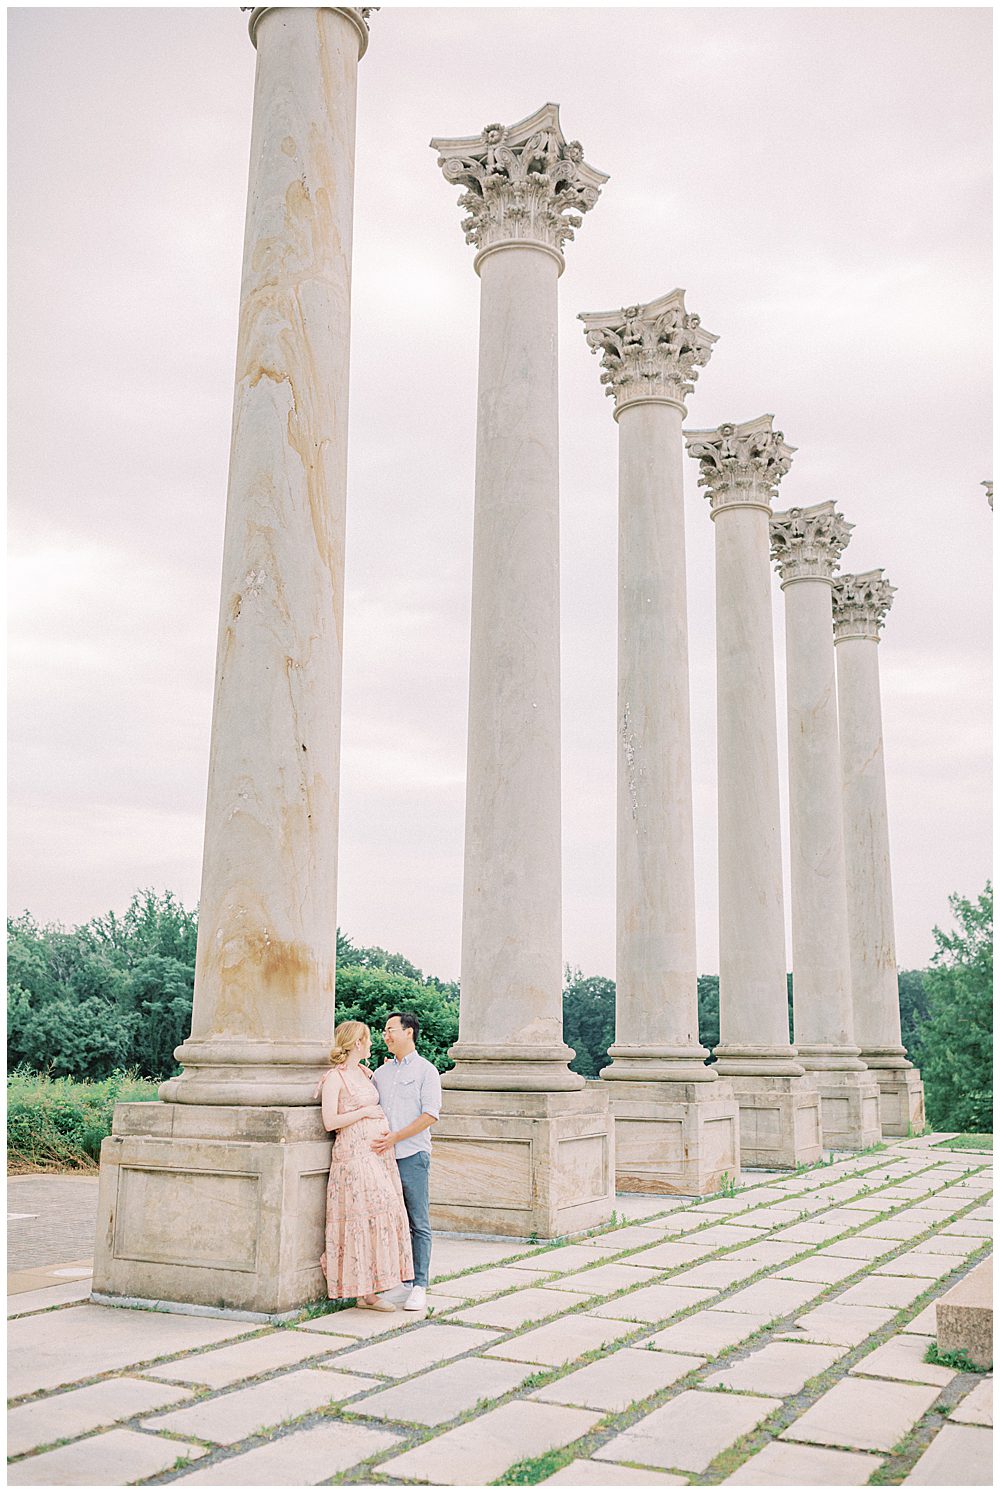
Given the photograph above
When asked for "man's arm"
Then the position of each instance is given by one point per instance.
(384, 1142)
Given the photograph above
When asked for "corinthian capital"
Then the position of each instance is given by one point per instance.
(524, 183)
(741, 465)
(806, 543)
(860, 603)
(356, 14)
(649, 352)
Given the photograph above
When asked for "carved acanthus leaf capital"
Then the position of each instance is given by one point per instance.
(860, 604)
(649, 352)
(524, 183)
(807, 543)
(989, 490)
(356, 14)
(741, 465)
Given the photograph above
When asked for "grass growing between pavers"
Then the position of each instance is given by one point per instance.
(958, 1359)
(965, 1143)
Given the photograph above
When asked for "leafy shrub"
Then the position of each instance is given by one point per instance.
(54, 1122)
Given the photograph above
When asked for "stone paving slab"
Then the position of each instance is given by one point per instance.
(708, 1332)
(79, 1411)
(834, 1323)
(224, 1366)
(36, 1301)
(689, 1431)
(948, 1244)
(300, 1459)
(722, 1235)
(766, 1252)
(780, 1368)
(774, 1298)
(781, 1465)
(975, 1228)
(426, 1346)
(959, 1456)
(929, 1266)
(902, 1357)
(111, 1459)
(924, 1322)
(719, 1274)
(823, 1269)
(620, 1380)
(531, 1305)
(79, 1342)
(883, 1290)
(852, 1414)
(770, 1218)
(228, 1418)
(62, 1218)
(570, 1257)
(654, 1303)
(857, 1248)
(902, 1226)
(479, 1451)
(584, 1474)
(560, 1342)
(451, 1255)
(604, 1279)
(816, 1231)
(441, 1395)
(977, 1407)
(354, 1323)
(670, 1256)
(491, 1282)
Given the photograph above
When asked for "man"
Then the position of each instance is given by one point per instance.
(409, 1090)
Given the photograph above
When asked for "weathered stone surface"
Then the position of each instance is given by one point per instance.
(883, 1290)
(689, 1431)
(229, 1417)
(399, 1357)
(853, 1414)
(773, 1298)
(654, 1303)
(23, 1302)
(568, 1258)
(823, 1269)
(479, 1451)
(780, 1368)
(489, 1282)
(604, 1280)
(716, 1273)
(441, 1395)
(620, 1380)
(674, 1254)
(224, 1366)
(111, 1460)
(834, 1323)
(977, 1407)
(908, 1225)
(766, 1252)
(959, 1456)
(708, 1332)
(584, 1474)
(902, 1357)
(451, 1254)
(856, 1248)
(815, 1231)
(724, 1234)
(82, 1410)
(965, 1315)
(781, 1465)
(300, 1459)
(532, 1305)
(958, 1245)
(928, 1266)
(81, 1341)
(560, 1342)
(924, 1323)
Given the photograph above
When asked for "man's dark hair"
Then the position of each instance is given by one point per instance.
(407, 1019)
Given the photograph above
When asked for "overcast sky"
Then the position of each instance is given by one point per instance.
(817, 181)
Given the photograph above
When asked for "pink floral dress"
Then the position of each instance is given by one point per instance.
(367, 1230)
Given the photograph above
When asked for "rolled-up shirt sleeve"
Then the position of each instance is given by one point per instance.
(430, 1092)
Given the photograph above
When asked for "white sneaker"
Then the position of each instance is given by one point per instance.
(417, 1300)
(396, 1294)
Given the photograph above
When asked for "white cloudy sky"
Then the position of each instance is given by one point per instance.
(817, 180)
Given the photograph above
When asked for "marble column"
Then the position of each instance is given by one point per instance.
(741, 466)
(676, 1121)
(860, 604)
(806, 544)
(523, 1146)
(227, 1172)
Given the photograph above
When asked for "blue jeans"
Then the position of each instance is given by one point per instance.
(415, 1175)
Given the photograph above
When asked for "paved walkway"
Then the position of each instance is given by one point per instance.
(50, 1219)
(777, 1336)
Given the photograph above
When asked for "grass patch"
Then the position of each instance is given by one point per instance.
(957, 1359)
(534, 1469)
(965, 1143)
(58, 1124)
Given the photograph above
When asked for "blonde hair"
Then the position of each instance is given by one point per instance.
(345, 1038)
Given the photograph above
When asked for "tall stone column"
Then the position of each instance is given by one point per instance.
(741, 465)
(217, 1194)
(860, 604)
(523, 1146)
(806, 545)
(676, 1122)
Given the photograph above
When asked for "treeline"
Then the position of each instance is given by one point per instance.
(115, 994)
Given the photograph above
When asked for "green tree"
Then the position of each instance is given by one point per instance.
(588, 1020)
(954, 1048)
(913, 1005)
(371, 994)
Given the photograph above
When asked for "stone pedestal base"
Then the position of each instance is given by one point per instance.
(524, 1163)
(901, 1094)
(779, 1120)
(213, 1205)
(849, 1108)
(675, 1137)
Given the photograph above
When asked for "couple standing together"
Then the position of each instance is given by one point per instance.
(378, 1228)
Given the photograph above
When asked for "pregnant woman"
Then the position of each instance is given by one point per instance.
(367, 1232)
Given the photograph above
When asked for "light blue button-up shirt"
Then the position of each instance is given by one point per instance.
(407, 1090)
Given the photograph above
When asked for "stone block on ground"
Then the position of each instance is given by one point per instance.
(296, 1460)
(853, 1415)
(689, 1431)
(429, 1345)
(833, 1323)
(244, 1360)
(902, 1357)
(81, 1410)
(477, 1452)
(779, 1368)
(441, 1395)
(531, 1305)
(584, 1474)
(111, 1460)
(708, 1332)
(782, 1465)
(958, 1457)
(965, 1315)
(654, 1303)
(977, 1407)
(618, 1381)
(561, 1342)
(228, 1418)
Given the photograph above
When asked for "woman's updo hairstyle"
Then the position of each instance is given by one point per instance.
(345, 1038)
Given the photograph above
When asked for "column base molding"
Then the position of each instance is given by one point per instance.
(673, 1137)
(886, 1057)
(518, 1067)
(849, 1108)
(643, 1064)
(522, 1164)
(780, 1124)
(238, 1073)
(740, 1060)
(817, 1057)
(213, 1206)
(901, 1099)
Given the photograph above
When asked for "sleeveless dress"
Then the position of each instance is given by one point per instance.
(367, 1230)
